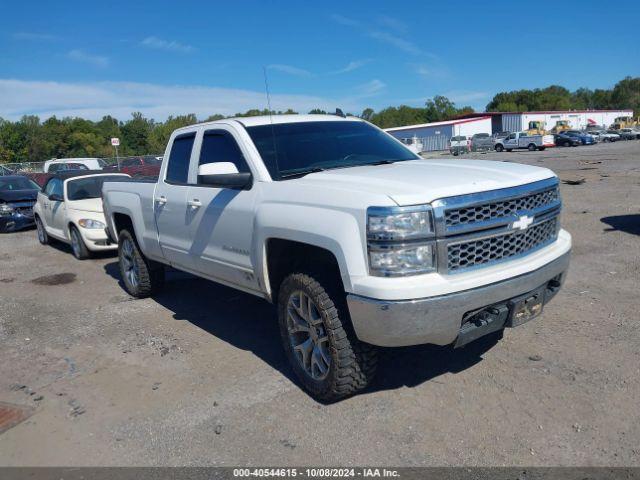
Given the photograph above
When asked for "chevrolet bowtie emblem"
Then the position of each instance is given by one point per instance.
(522, 223)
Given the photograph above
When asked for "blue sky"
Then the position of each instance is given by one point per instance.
(162, 58)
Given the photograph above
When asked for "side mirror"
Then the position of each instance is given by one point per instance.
(223, 175)
(54, 197)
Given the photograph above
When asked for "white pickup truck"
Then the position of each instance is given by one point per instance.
(359, 242)
(524, 140)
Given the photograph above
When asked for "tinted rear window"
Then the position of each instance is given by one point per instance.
(178, 167)
(89, 187)
(458, 139)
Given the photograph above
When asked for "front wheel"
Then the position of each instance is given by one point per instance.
(499, 148)
(319, 342)
(141, 276)
(78, 247)
(43, 237)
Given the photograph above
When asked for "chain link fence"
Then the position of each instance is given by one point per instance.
(138, 164)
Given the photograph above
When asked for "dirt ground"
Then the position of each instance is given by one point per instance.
(196, 376)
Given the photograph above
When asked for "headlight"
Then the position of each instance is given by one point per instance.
(401, 260)
(6, 209)
(88, 223)
(399, 223)
(400, 240)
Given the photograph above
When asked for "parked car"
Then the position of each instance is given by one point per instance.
(604, 136)
(563, 140)
(584, 138)
(143, 165)
(62, 164)
(629, 133)
(481, 142)
(69, 209)
(623, 135)
(358, 241)
(459, 144)
(524, 140)
(17, 197)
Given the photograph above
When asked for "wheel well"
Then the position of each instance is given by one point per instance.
(122, 222)
(287, 256)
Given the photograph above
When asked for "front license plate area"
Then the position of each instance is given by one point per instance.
(526, 307)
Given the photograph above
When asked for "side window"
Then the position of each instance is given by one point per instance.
(54, 186)
(220, 146)
(512, 136)
(178, 167)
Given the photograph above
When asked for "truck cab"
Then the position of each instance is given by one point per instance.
(358, 241)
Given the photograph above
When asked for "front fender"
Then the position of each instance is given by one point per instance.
(338, 231)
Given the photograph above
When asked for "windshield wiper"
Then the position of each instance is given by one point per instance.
(303, 173)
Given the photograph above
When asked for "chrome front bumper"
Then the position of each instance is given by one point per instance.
(437, 320)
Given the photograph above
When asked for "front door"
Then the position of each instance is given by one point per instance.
(170, 203)
(221, 219)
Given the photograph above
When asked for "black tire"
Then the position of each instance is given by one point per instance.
(141, 276)
(78, 247)
(567, 143)
(352, 362)
(541, 148)
(532, 147)
(499, 148)
(43, 236)
(509, 149)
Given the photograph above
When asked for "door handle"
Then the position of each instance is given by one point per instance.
(195, 203)
(161, 200)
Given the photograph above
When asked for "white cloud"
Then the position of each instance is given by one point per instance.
(395, 41)
(290, 69)
(342, 20)
(392, 23)
(381, 35)
(371, 89)
(32, 36)
(435, 70)
(351, 66)
(119, 99)
(95, 60)
(171, 46)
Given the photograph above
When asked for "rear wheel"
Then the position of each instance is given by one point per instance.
(78, 247)
(532, 147)
(43, 237)
(141, 276)
(320, 344)
(541, 148)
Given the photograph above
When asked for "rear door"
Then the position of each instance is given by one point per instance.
(170, 203)
(221, 219)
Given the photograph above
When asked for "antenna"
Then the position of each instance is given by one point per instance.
(273, 132)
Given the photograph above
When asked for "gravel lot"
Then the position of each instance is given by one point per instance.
(196, 376)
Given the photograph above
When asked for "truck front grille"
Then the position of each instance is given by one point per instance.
(500, 209)
(484, 251)
(480, 229)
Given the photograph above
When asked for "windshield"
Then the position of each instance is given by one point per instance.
(17, 183)
(290, 149)
(89, 187)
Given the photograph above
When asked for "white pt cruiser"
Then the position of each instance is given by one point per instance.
(69, 209)
(359, 241)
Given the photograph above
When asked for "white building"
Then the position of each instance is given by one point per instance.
(436, 135)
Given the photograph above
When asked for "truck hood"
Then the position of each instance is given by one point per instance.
(423, 181)
(10, 196)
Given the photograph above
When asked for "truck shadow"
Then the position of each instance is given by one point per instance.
(623, 223)
(250, 323)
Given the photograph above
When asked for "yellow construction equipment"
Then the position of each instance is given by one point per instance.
(561, 126)
(625, 122)
(536, 127)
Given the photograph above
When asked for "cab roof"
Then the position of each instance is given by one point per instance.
(274, 119)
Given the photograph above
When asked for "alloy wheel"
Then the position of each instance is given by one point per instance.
(308, 336)
(129, 265)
